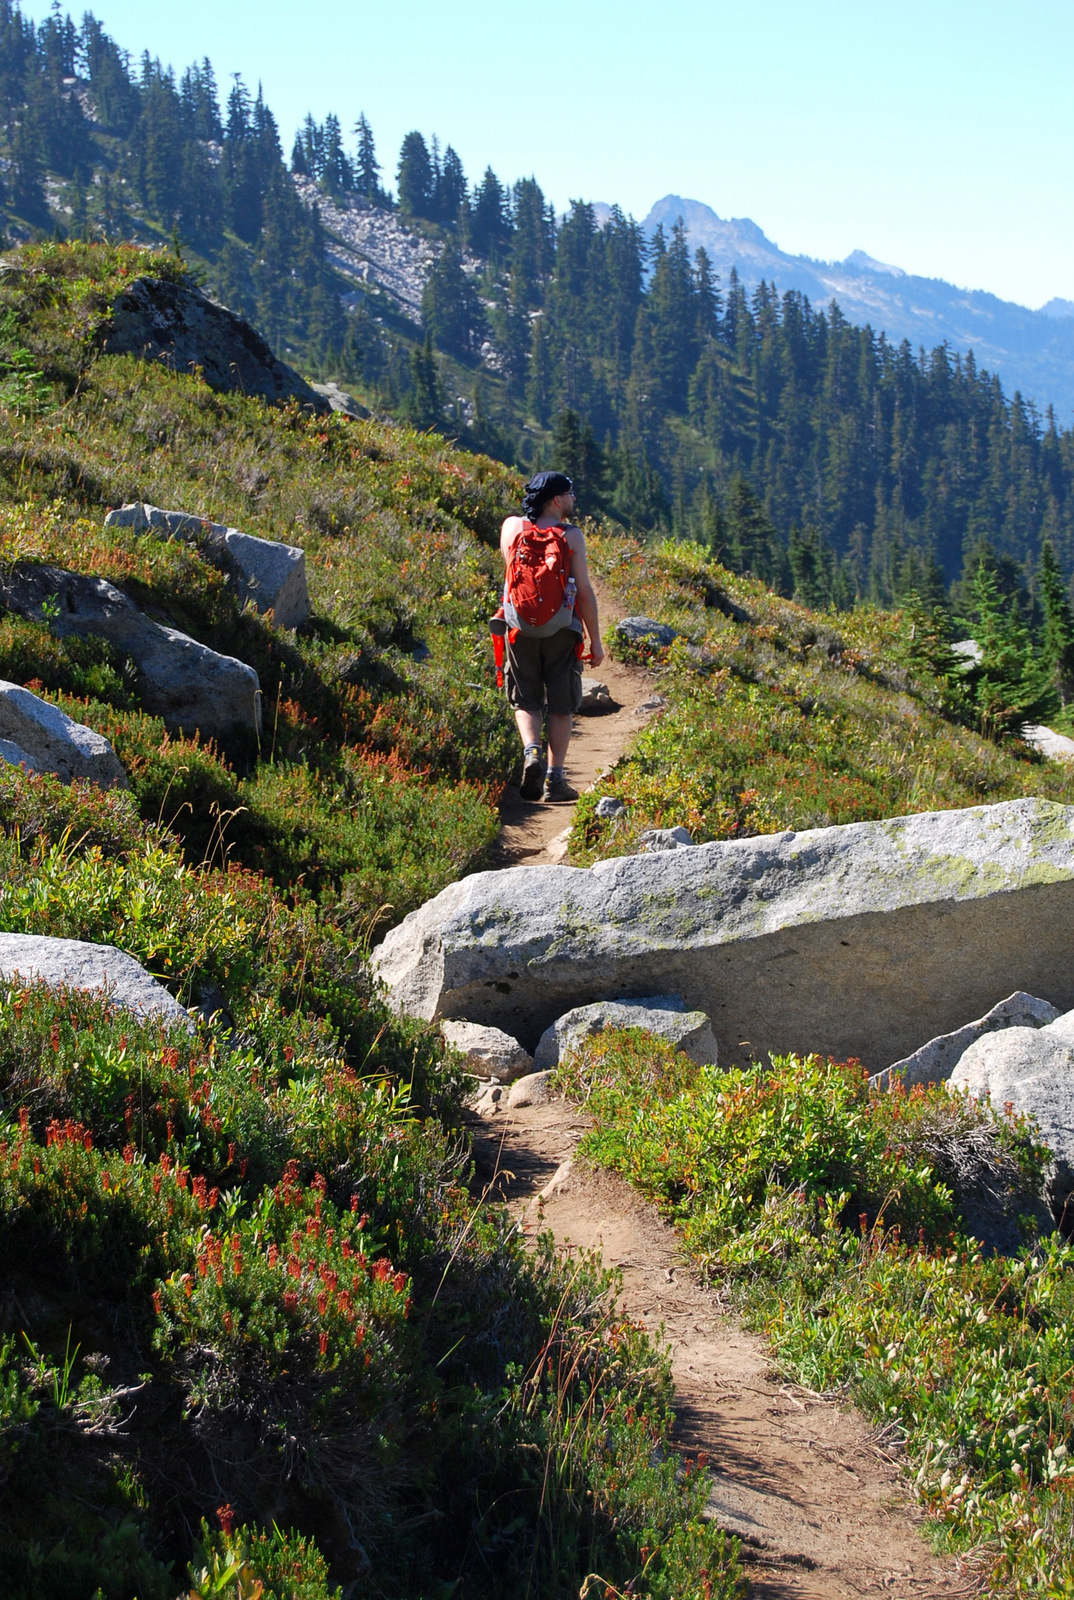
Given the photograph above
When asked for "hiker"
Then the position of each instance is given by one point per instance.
(547, 599)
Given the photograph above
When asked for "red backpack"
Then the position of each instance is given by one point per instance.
(537, 572)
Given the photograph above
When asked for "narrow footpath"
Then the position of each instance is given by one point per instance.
(815, 1495)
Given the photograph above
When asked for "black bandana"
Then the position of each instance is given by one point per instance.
(542, 488)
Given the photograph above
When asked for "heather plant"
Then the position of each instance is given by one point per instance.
(358, 1337)
(840, 1217)
(780, 718)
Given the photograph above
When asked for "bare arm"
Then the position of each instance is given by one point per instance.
(510, 527)
(586, 602)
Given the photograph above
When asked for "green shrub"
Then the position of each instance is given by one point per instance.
(37, 806)
(789, 719)
(841, 1217)
(246, 1562)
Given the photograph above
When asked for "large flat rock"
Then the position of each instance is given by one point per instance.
(77, 964)
(852, 941)
(193, 688)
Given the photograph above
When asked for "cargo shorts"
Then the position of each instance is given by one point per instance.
(545, 673)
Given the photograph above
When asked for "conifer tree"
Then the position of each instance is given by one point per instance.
(1057, 644)
(366, 165)
(488, 225)
(451, 187)
(425, 402)
(1009, 687)
(414, 178)
(451, 311)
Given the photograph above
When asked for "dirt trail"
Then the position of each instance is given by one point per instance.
(820, 1506)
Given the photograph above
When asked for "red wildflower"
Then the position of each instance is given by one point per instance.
(324, 1344)
(156, 1301)
(226, 1514)
(290, 1300)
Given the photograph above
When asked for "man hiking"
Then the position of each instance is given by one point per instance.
(547, 599)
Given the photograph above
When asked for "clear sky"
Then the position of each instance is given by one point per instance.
(934, 134)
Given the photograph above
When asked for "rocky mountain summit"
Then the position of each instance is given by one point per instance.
(1032, 351)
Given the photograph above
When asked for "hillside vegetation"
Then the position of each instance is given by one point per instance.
(256, 1336)
(255, 1329)
(781, 717)
(808, 451)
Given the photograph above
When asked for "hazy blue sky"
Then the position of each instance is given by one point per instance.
(935, 134)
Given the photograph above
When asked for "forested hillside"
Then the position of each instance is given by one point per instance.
(803, 449)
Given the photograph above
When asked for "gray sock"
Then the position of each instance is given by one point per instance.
(555, 774)
(531, 750)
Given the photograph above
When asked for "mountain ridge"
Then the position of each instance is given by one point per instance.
(1031, 351)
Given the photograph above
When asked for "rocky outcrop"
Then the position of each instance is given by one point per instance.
(1031, 1070)
(14, 756)
(340, 400)
(270, 574)
(662, 1015)
(177, 324)
(935, 1061)
(489, 1052)
(643, 630)
(193, 688)
(41, 736)
(74, 964)
(852, 941)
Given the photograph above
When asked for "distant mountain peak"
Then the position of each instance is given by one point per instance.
(859, 261)
(1032, 351)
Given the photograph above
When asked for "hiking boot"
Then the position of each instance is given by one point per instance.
(532, 776)
(559, 789)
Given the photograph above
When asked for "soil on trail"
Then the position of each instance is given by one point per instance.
(819, 1504)
(533, 833)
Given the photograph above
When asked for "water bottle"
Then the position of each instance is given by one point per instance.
(569, 594)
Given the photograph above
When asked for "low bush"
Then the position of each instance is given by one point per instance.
(287, 1259)
(783, 718)
(840, 1217)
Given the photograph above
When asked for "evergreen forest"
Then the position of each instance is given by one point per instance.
(799, 448)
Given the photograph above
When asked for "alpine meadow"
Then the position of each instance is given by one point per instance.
(269, 1329)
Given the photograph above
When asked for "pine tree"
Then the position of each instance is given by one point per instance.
(1057, 644)
(1009, 687)
(337, 175)
(425, 401)
(451, 187)
(414, 178)
(488, 225)
(451, 311)
(366, 165)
